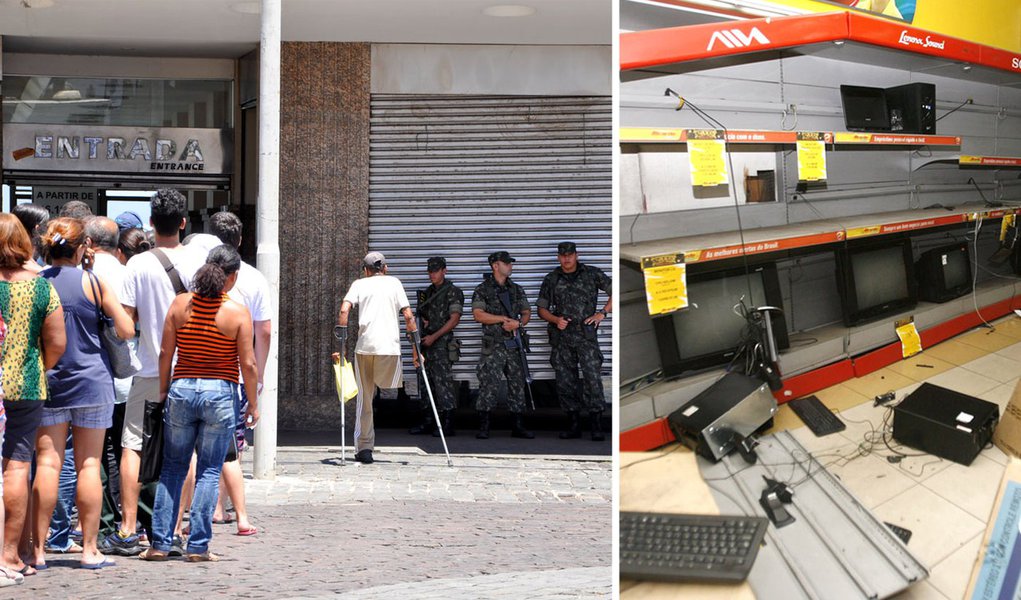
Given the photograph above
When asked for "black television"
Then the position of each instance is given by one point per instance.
(944, 273)
(865, 108)
(708, 332)
(876, 280)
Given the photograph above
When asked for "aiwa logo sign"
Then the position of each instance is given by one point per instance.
(735, 38)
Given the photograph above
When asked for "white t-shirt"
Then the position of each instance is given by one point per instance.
(111, 271)
(148, 290)
(379, 299)
(252, 291)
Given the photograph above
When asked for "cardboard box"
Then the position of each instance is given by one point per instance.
(997, 569)
(1007, 435)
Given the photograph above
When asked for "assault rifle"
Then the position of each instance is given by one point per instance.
(519, 341)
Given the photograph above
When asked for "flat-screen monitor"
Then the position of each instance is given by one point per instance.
(875, 280)
(944, 273)
(865, 108)
(708, 332)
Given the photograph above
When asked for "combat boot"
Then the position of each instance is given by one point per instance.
(447, 422)
(574, 428)
(597, 425)
(483, 433)
(425, 427)
(518, 429)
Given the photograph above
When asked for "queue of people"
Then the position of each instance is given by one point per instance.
(65, 419)
(68, 420)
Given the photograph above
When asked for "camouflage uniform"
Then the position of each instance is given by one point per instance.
(574, 295)
(497, 359)
(438, 363)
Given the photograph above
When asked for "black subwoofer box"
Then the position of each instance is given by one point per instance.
(913, 106)
(945, 423)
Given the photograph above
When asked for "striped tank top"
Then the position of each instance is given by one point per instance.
(202, 351)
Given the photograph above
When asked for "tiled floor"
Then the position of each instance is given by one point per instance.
(944, 504)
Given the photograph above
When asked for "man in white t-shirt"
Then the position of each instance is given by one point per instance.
(380, 298)
(102, 234)
(146, 295)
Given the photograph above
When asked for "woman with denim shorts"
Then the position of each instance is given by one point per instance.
(35, 341)
(212, 336)
(81, 391)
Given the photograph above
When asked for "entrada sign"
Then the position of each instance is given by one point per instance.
(115, 149)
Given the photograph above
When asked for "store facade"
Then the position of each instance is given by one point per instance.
(410, 149)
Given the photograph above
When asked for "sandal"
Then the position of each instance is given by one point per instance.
(206, 556)
(248, 531)
(153, 555)
(10, 577)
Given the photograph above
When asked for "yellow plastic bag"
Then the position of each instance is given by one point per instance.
(344, 376)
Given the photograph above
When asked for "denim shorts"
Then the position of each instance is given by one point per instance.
(88, 417)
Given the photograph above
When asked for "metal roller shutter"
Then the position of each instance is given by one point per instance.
(463, 176)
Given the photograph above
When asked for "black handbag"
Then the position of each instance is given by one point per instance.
(123, 361)
(152, 443)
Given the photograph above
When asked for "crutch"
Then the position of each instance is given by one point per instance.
(416, 342)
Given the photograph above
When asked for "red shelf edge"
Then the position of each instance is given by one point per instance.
(657, 47)
(657, 433)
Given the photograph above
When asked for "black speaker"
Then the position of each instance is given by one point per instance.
(912, 108)
(946, 423)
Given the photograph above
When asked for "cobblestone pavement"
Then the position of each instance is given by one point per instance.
(492, 526)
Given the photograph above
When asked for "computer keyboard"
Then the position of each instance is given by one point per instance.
(683, 547)
(814, 413)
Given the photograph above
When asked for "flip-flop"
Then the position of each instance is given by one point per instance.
(39, 567)
(249, 531)
(206, 556)
(100, 565)
(28, 570)
(10, 577)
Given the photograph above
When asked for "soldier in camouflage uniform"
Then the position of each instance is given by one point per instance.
(439, 312)
(501, 327)
(567, 301)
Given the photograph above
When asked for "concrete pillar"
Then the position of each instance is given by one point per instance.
(268, 233)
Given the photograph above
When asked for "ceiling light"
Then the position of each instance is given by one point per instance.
(508, 10)
(247, 8)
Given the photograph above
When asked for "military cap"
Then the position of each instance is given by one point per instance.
(566, 248)
(501, 256)
(436, 263)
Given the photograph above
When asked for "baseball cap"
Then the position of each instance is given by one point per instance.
(375, 260)
(127, 220)
(501, 256)
(436, 263)
(566, 248)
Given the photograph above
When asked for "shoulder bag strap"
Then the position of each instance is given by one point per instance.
(175, 277)
(97, 295)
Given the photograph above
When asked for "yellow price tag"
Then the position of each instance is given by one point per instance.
(910, 342)
(708, 168)
(666, 288)
(811, 160)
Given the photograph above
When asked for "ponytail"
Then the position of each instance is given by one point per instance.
(209, 280)
(222, 262)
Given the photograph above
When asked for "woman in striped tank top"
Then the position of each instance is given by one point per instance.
(212, 336)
